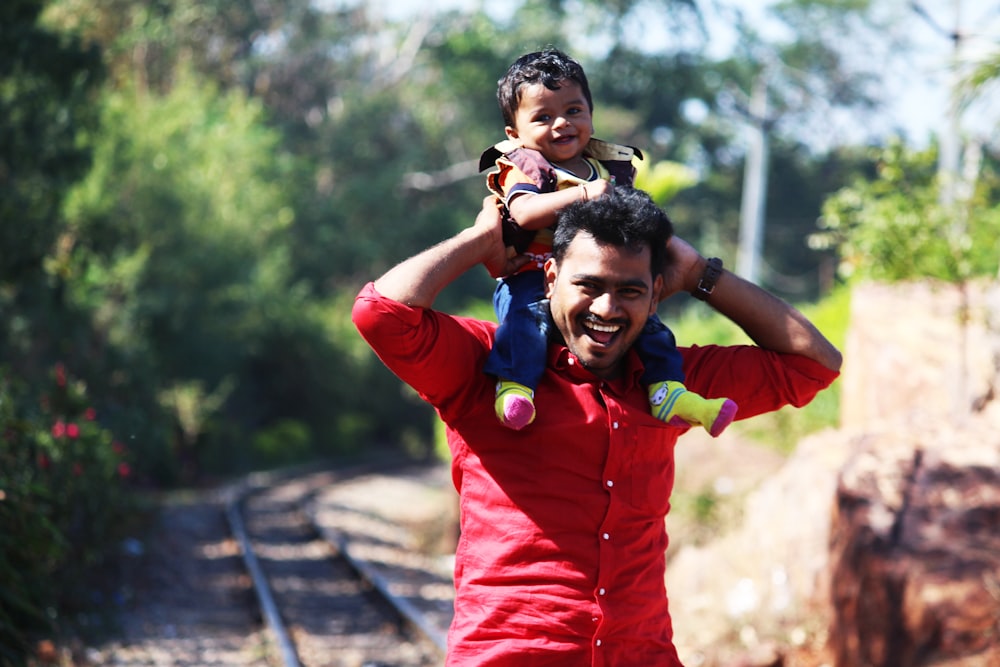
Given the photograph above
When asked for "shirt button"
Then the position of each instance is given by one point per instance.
(598, 642)
(610, 483)
(614, 425)
(601, 591)
(570, 361)
(594, 619)
(606, 536)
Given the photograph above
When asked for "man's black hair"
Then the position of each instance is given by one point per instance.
(550, 68)
(625, 217)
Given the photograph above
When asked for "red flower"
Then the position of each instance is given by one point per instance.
(90, 414)
(77, 469)
(60, 375)
(124, 470)
(44, 462)
(73, 431)
(118, 448)
(59, 429)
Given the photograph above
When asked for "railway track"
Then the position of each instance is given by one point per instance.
(347, 566)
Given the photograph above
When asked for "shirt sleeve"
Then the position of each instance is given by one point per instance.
(509, 181)
(758, 380)
(432, 352)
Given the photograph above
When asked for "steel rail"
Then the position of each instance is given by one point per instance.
(406, 609)
(234, 498)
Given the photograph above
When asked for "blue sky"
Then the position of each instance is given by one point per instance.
(917, 88)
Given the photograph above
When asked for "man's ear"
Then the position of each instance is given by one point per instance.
(657, 293)
(551, 270)
(511, 132)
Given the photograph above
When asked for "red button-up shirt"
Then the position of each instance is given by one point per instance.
(561, 559)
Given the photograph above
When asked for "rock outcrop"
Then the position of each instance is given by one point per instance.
(877, 545)
(915, 551)
(915, 534)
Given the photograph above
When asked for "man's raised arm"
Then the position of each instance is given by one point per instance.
(418, 280)
(770, 322)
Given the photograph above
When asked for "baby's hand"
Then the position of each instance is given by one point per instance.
(598, 188)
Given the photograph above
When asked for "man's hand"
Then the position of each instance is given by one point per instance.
(683, 269)
(500, 260)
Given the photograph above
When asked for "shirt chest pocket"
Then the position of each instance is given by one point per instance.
(650, 461)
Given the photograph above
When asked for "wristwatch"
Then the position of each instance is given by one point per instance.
(706, 284)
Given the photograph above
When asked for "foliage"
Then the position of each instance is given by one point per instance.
(984, 78)
(47, 81)
(178, 249)
(664, 180)
(65, 499)
(143, 41)
(895, 228)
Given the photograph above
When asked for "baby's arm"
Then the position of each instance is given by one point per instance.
(538, 211)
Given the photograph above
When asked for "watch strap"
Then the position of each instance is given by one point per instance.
(709, 277)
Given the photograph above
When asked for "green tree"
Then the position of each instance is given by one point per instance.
(895, 228)
(47, 85)
(177, 239)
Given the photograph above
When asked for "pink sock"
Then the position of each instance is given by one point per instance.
(518, 412)
(726, 415)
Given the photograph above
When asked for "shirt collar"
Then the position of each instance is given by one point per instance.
(562, 360)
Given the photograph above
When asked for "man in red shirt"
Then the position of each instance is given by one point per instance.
(561, 559)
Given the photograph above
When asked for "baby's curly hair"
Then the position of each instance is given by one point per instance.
(549, 67)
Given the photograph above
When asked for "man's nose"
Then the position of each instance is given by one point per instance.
(604, 305)
(561, 121)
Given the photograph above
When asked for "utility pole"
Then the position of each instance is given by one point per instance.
(951, 147)
(754, 202)
(950, 150)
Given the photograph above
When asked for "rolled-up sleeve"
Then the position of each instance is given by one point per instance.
(434, 353)
(758, 380)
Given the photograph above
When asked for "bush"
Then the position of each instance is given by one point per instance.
(896, 228)
(285, 442)
(64, 500)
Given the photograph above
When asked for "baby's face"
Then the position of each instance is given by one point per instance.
(557, 123)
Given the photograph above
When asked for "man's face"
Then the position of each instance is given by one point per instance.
(600, 297)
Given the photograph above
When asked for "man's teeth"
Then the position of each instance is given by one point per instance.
(604, 328)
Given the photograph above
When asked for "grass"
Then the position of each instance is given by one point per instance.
(783, 429)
